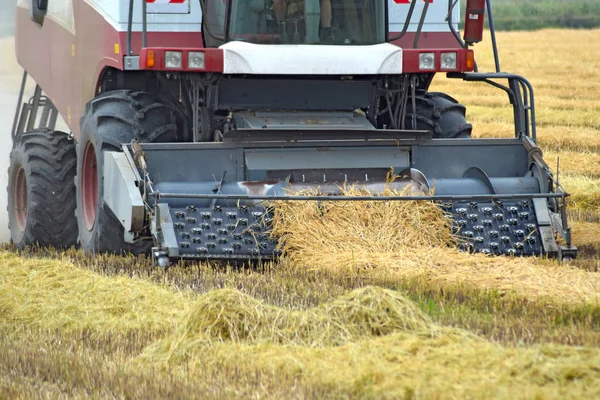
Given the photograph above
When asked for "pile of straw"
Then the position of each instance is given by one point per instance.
(412, 239)
(56, 295)
(371, 343)
(228, 315)
(311, 232)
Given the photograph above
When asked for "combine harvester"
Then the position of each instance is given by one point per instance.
(188, 116)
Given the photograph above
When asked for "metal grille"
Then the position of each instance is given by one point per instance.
(223, 232)
(497, 227)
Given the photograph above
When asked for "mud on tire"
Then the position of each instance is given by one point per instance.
(439, 113)
(111, 119)
(41, 193)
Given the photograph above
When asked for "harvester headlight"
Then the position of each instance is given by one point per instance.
(448, 60)
(196, 60)
(427, 61)
(173, 59)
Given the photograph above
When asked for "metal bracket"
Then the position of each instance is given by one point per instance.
(121, 192)
(545, 227)
(26, 113)
(568, 253)
(160, 258)
(163, 230)
(131, 63)
(521, 91)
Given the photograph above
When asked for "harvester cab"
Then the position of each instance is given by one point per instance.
(188, 117)
(296, 22)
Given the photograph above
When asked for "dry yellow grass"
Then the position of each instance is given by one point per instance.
(550, 138)
(586, 233)
(369, 343)
(584, 191)
(421, 365)
(574, 163)
(410, 239)
(55, 295)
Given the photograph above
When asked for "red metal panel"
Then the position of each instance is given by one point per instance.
(410, 60)
(474, 21)
(46, 53)
(213, 59)
(427, 40)
(68, 66)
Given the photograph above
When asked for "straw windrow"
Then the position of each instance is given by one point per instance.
(228, 315)
(408, 239)
(371, 343)
(413, 365)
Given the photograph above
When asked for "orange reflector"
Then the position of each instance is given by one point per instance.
(150, 59)
(470, 61)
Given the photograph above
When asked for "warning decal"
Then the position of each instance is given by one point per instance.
(168, 6)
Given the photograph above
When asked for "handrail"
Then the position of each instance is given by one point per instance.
(493, 34)
(130, 26)
(212, 196)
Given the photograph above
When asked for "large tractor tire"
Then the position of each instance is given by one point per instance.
(41, 193)
(111, 119)
(439, 113)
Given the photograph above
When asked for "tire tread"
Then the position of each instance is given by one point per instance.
(51, 161)
(441, 114)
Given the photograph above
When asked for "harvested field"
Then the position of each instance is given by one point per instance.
(357, 344)
(379, 307)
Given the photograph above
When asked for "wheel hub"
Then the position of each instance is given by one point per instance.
(89, 186)
(20, 199)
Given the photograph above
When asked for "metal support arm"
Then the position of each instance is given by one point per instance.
(521, 94)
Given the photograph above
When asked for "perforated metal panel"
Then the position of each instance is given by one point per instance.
(498, 227)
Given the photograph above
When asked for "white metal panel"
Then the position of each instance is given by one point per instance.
(116, 12)
(247, 58)
(121, 194)
(435, 20)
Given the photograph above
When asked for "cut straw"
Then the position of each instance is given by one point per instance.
(409, 239)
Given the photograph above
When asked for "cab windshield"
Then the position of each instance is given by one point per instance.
(338, 22)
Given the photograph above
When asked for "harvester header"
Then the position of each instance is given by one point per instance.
(188, 117)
